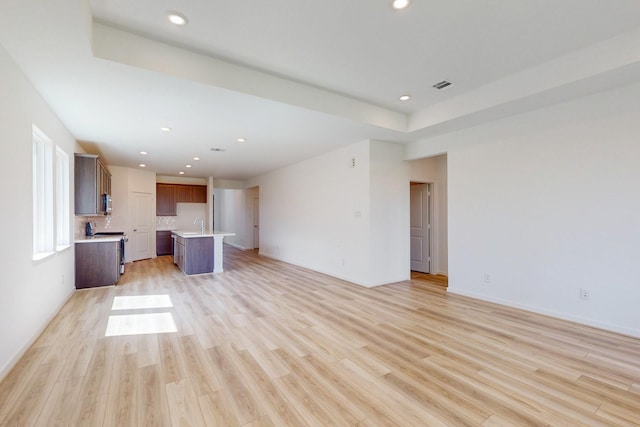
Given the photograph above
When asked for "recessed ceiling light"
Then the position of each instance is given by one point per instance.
(144, 153)
(400, 4)
(142, 165)
(181, 173)
(241, 140)
(165, 129)
(196, 158)
(188, 166)
(177, 18)
(405, 97)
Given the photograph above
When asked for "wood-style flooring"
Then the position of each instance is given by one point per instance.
(434, 279)
(270, 344)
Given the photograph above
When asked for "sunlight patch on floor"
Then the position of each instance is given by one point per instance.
(140, 324)
(135, 302)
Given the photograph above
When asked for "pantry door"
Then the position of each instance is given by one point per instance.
(141, 216)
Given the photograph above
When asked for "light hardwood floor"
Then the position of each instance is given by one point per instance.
(270, 344)
(435, 279)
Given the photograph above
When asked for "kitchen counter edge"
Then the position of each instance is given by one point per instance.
(191, 234)
(98, 239)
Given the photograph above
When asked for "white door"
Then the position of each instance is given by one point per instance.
(420, 228)
(256, 223)
(141, 217)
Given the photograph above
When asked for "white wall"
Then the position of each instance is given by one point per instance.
(232, 217)
(322, 213)
(433, 170)
(389, 210)
(185, 180)
(547, 203)
(31, 292)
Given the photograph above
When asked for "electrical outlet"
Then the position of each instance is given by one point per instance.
(487, 278)
(584, 294)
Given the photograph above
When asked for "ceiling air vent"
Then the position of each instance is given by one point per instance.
(219, 150)
(442, 84)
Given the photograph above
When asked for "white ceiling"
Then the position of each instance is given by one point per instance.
(298, 78)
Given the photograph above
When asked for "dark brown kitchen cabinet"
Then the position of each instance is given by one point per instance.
(191, 193)
(164, 243)
(184, 193)
(166, 200)
(199, 194)
(92, 182)
(168, 195)
(97, 264)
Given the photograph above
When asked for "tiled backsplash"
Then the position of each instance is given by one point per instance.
(103, 223)
(166, 223)
(187, 213)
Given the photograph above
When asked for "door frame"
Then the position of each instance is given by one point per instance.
(256, 219)
(433, 214)
(152, 225)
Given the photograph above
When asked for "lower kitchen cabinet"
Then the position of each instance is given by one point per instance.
(97, 264)
(194, 255)
(164, 243)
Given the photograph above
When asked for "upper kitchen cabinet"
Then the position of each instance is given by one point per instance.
(191, 193)
(184, 193)
(168, 195)
(92, 185)
(199, 194)
(166, 200)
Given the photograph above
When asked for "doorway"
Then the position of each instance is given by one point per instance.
(420, 223)
(256, 223)
(141, 211)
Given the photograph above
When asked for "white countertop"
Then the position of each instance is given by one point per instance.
(98, 239)
(189, 234)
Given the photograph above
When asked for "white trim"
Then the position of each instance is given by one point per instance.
(562, 316)
(237, 246)
(43, 196)
(23, 350)
(62, 189)
(41, 255)
(404, 278)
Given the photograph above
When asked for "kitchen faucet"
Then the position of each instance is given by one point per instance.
(201, 224)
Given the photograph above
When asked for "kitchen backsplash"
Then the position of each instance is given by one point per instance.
(187, 213)
(103, 223)
(166, 223)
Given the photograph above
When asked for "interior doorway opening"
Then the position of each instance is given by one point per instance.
(252, 204)
(432, 173)
(421, 228)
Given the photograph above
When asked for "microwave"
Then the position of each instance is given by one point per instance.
(106, 204)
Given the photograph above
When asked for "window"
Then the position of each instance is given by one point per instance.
(63, 237)
(42, 194)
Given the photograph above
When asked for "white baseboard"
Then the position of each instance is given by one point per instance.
(337, 275)
(23, 350)
(236, 246)
(550, 313)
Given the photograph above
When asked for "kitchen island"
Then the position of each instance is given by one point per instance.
(197, 252)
